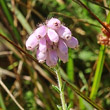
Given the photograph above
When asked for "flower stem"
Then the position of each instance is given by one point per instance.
(60, 87)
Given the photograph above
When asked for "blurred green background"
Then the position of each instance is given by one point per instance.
(29, 82)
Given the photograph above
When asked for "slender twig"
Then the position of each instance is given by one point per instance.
(104, 7)
(13, 98)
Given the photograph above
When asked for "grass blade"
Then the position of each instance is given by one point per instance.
(10, 20)
(99, 68)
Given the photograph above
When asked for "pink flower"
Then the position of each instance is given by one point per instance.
(52, 41)
(41, 57)
(32, 42)
(64, 32)
(72, 43)
(48, 40)
(40, 32)
(63, 57)
(53, 36)
(54, 23)
(52, 58)
(42, 45)
(62, 47)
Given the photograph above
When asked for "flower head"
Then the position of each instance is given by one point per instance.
(52, 41)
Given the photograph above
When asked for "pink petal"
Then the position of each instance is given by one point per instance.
(63, 57)
(53, 36)
(64, 32)
(72, 43)
(42, 45)
(53, 56)
(41, 57)
(53, 23)
(48, 40)
(31, 42)
(40, 32)
(62, 47)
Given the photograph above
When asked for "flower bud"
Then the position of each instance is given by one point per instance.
(64, 32)
(72, 43)
(40, 32)
(32, 42)
(53, 36)
(54, 23)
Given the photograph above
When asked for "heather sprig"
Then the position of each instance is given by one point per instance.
(52, 40)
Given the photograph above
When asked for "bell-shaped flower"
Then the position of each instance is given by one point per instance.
(72, 43)
(63, 57)
(50, 63)
(53, 36)
(54, 23)
(62, 47)
(32, 42)
(64, 32)
(48, 40)
(42, 45)
(41, 56)
(53, 56)
(40, 32)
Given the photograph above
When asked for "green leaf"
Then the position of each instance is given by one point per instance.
(56, 88)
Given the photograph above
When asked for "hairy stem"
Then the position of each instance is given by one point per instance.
(60, 88)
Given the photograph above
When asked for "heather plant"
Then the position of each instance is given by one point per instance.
(54, 54)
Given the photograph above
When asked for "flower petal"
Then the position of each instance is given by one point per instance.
(63, 57)
(31, 42)
(40, 32)
(42, 45)
(41, 57)
(54, 23)
(64, 32)
(62, 47)
(72, 43)
(53, 56)
(53, 36)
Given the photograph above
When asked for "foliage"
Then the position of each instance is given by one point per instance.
(31, 82)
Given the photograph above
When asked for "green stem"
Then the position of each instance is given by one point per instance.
(99, 68)
(98, 73)
(60, 88)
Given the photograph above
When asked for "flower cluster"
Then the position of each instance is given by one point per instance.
(104, 40)
(52, 40)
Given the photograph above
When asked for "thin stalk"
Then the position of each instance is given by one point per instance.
(99, 68)
(57, 70)
(70, 71)
(13, 98)
(2, 105)
(98, 73)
